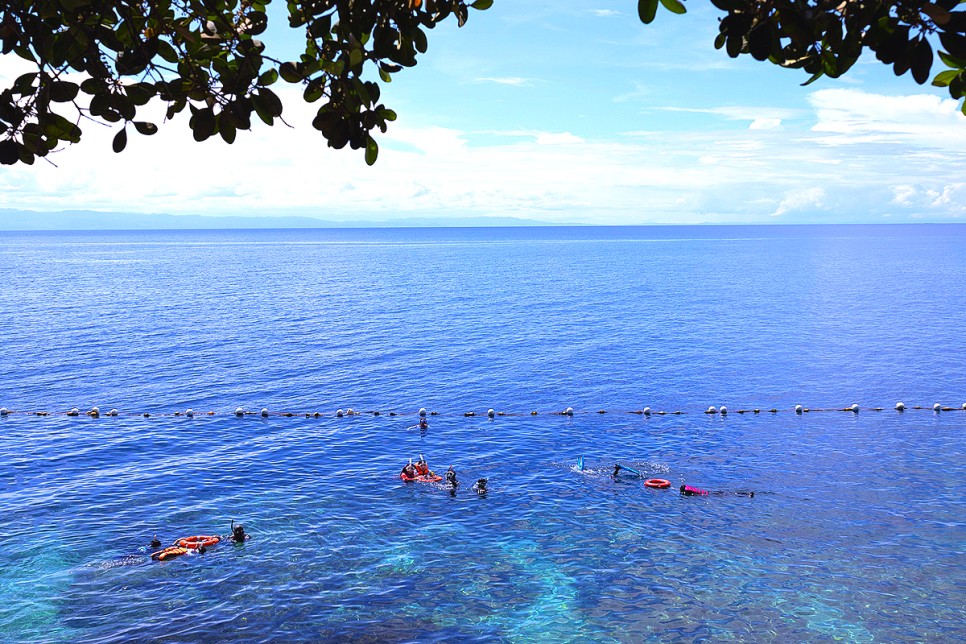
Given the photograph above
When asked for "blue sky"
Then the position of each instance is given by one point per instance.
(565, 112)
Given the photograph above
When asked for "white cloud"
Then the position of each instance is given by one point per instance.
(513, 81)
(765, 124)
(862, 116)
(606, 13)
(797, 200)
(706, 174)
(903, 195)
(761, 118)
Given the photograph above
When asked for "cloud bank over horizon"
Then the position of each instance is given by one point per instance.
(844, 153)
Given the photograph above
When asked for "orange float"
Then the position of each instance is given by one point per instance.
(195, 542)
(168, 553)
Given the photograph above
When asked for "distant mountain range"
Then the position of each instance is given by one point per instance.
(88, 220)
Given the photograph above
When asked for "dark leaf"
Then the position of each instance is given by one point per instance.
(646, 10)
(289, 73)
(372, 150)
(167, 52)
(954, 43)
(24, 85)
(63, 91)
(674, 6)
(227, 129)
(921, 61)
(203, 124)
(145, 127)
(760, 41)
(120, 140)
(9, 152)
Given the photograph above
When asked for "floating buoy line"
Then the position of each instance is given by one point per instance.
(241, 412)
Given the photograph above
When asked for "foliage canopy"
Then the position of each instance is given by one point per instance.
(826, 37)
(104, 61)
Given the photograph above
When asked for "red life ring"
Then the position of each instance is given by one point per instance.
(197, 541)
(657, 483)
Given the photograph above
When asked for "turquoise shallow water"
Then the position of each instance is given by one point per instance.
(856, 531)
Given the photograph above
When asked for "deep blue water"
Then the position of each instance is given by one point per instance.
(856, 530)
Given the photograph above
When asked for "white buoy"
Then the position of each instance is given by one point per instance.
(190, 413)
(569, 411)
(964, 405)
(264, 412)
(113, 412)
(339, 413)
(490, 413)
(854, 408)
(422, 411)
(74, 412)
(723, 410)
(798, 409)
(4, 411)
(647, 411)
(239, 412)
(900, 406)
(937, 407)
(712, 410)
(95, 410)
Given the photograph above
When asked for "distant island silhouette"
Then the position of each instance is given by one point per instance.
(91, 220)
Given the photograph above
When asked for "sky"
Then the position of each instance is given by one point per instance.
(555, 111)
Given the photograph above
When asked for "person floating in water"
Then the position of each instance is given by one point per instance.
(451, 478)
(423, 423)
(238, 534)
(408, 472)
(688, 490)
(155, 543)
(617, 470)
(480, 486)
(422, 468)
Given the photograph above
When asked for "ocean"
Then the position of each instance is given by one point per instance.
(856, 530)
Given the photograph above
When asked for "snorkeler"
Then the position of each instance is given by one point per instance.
(688, 490)
(422, 468)
(423, 423)
(617, 470)
(408, 472)
(451, 478)
(238, 534)
(480, 486)
(155, 543)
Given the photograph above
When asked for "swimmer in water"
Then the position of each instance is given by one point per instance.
(423, 423)
(238, 533)
(408, 472)
(480, 486)
(617, 470)
(451, 478)
(688, 490)
(155, 543)
(422, 468)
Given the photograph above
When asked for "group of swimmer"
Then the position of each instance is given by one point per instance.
(198, 543)
(686, 490)
(419, 471)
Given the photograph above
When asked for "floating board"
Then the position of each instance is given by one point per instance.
(580, 463)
